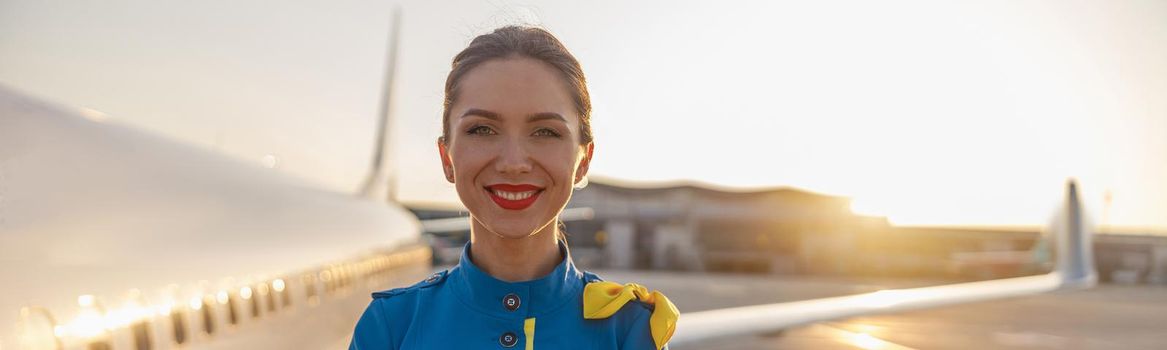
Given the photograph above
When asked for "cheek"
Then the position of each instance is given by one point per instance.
(468, 160)
(559, 162)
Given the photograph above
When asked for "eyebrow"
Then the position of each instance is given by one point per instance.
(495, 116)
(481, 113)
(545, 116)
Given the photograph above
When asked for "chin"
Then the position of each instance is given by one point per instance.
(513, 231)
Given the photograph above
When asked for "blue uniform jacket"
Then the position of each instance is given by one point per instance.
(465, 308)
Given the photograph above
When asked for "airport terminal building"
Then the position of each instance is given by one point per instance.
(695, 227)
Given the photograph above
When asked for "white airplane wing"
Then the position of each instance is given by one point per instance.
(1074, 269)
(110, 237)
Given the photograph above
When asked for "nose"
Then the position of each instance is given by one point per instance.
(514, 158)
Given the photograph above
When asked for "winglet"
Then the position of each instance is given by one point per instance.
(1072, 234)
(380, 183)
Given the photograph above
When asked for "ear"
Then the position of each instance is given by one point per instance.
(582, 169)
(447, 165)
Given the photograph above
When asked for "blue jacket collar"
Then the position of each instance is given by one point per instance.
(541, 296)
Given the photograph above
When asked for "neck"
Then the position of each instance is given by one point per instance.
(515, 259)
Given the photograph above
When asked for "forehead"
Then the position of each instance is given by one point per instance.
(514, 88)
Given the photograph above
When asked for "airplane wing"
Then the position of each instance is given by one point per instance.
(110, 237)
(1074, 269)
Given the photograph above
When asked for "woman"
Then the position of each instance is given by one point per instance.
(516, 138)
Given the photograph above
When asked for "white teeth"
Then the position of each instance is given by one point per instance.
(514, 196)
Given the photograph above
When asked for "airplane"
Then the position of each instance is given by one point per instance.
(111, 238)
(114, 239)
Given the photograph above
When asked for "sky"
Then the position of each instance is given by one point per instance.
(928, 112)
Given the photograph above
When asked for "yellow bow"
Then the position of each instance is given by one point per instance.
(602, 299)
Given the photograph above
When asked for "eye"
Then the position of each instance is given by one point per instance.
(547, 132)
(481, 130)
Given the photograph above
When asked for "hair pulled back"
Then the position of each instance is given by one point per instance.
(521, 41)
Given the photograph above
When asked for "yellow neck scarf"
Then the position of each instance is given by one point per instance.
(602, 299)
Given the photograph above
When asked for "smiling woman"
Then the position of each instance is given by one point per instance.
(512, 146)
(516, 139)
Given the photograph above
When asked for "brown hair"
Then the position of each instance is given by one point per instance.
(531, 42)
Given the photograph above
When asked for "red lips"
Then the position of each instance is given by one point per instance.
(516, 202)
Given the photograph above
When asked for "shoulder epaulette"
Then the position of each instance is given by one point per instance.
(432, 280)
(591, 277)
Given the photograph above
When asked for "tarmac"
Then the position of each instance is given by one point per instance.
(1107, 316)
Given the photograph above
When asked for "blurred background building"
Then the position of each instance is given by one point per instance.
(696, 227)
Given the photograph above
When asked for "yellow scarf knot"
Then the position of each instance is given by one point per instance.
(602, 299)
